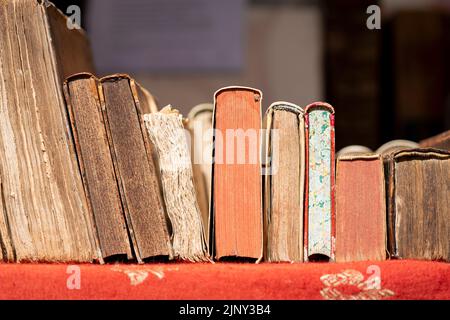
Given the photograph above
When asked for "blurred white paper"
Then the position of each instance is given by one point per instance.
(166, 35)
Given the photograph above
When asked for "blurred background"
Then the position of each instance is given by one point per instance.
(385, 84)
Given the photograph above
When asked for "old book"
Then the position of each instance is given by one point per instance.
(94, 158)
(43, 199)
(134, 167)
(7, 252)
(320, 232)
(441, 141)
(419, 202)
(360, 207)
(396, 145)
(166, 131)
(236, 195)
(353, 149)
(284, 183)
(200, 127)
(384, 149)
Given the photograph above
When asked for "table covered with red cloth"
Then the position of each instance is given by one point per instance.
(399, 279)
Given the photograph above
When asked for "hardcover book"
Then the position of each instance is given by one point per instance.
(441, 141)
(284, 183)
(236, 195)
(419, 202)
(320, 232)
(360, 207)
(200, 127)
(45, 212)
(96, 165)
(134, 165)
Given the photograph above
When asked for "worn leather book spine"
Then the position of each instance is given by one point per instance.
(441, 141)
(284, 183)
(320, 229)
(418, 215)
(135, 168)
(96, 166)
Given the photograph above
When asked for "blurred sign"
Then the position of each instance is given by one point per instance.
(166, 35)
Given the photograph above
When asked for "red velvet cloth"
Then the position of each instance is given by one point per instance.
(399, 280)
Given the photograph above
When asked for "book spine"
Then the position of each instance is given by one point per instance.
(333, 189)
(306, 201)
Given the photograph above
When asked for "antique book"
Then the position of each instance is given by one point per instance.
(236, 195)
(284, 183)
(319, 225)
(94, 158)
(353, 149)
(419, 202)
(200, 127)
(134, 166)
(384, 149)
(43, 200)
(360, 207)
(396, 145)
(166, 131)
(441, 141)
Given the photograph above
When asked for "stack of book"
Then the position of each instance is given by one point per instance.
(94, 170)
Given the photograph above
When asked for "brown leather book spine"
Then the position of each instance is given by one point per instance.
(441, 141)
(420, 219)
(94, 159)
(135, 169)
(390, 199)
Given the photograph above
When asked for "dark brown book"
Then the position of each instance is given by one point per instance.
(441, 141)
(419, 202)
(94, 158)
(134, 166)
(236, 204)
(43, 200)
(360, 208)
(284, 183)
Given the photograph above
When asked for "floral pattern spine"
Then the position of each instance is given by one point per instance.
(319, 193)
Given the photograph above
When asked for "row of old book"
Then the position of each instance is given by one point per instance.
(315, 206)
(92, 170)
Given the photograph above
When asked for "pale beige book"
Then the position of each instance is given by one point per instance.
(284, 183)
(200, 127)
(43, 200)
(166, 131)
